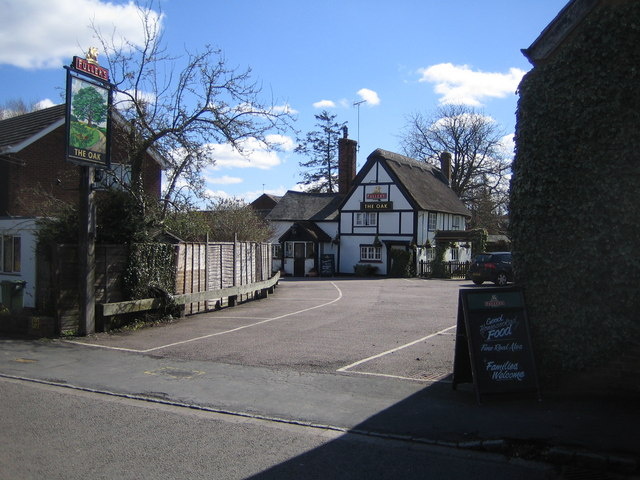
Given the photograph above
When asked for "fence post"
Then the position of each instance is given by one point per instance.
(206, 269)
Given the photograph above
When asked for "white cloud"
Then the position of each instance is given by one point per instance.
(254, 154)
(224, 180)
(286, 108)
(217, 194)
(324, 104)
(283, 142)
(37, 34)
(460, 85)
(508, 144)
(369, 96)
(122, 100)
(46, 103)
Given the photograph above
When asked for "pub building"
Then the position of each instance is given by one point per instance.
(393, 203)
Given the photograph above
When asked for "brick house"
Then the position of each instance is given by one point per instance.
(34, 171)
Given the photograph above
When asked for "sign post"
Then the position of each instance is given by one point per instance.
(88, 144)
(493, 343)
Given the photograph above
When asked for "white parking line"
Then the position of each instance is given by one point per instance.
(215, 334)
(360, 362)
(433, 379)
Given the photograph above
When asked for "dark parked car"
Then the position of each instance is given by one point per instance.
(492, 267)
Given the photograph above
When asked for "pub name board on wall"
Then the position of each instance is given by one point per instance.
(379, 200)
(376, 205)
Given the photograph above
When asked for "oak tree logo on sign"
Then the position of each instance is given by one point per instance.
(89, 107)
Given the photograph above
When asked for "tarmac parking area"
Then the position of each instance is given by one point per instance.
(402, 328)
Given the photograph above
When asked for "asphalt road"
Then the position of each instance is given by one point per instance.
(60, 433)
(327, 378)
(395, 327)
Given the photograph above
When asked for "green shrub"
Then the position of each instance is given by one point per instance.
(364, 270)
(150, 268)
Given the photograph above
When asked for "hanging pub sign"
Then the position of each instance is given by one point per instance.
(88, 116)
(493, 345)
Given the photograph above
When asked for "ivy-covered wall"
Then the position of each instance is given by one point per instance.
(575, 194)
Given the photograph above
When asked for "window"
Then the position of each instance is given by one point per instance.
(366, 219)
(369, 253)
(299, 250)
(431, 254)
(117, 178)
(288, 249)
(10, 253)
(310, 250)
(276, 250)
(455, 254)
(455, 222)
(432, 222)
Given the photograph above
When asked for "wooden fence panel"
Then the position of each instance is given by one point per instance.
(210, 266)
(199, 267)
(57, 281)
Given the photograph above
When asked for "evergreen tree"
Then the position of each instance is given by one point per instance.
(321, 146)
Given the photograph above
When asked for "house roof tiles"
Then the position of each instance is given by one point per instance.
(16, 131)
(295, 206)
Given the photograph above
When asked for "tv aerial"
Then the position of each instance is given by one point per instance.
(357, 105)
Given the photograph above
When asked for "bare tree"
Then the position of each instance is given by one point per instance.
(321, 174)
(16, 107)
(180, 106)
(480, 165)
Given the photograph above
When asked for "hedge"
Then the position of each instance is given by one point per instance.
(575, 193)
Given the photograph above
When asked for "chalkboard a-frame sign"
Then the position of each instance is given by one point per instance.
(493, 343)
(327, 265)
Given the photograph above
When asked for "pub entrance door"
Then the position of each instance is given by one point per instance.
(299, 257)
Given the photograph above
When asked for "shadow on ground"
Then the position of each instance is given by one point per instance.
(442, 433)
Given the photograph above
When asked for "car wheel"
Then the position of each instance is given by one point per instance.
(501, 279)
(478, 282)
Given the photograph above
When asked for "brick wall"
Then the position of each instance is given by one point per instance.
(46, 174)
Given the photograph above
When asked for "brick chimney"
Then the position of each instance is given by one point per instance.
(445, 166)
(346, 162)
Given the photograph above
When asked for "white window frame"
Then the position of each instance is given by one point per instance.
(432, 222)
(10, 253)
(276, 250)
(366, 219)
(370, 253)
(455, 222)
(288, 249)
(455, 254)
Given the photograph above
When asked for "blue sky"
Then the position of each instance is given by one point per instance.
(400, 57)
